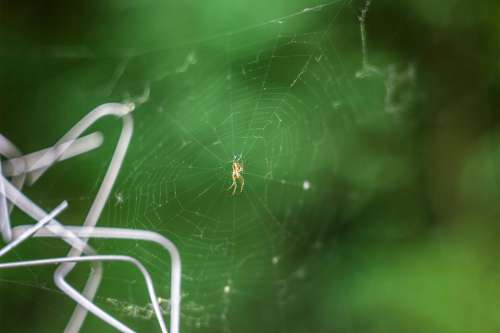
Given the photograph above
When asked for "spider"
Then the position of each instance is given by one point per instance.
(236, 173)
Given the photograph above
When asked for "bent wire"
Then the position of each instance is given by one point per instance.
(115, 109)
(28, 231)
(91, 286)
(31, 209)
(130, 234)
(118, 110)
(17, 166)
(32, 229)
(46, 157)
(147, 277)
(35, 212)
(35, 165)
(5, 228)
(9, 150)
(111, 109)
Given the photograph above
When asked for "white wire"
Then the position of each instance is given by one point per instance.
(9, 150)
(5, 228)
(33, 229)
(115, 109)
(47, 157)
(40, 159)
(112, 109)
(57, 230)
(130, 234)
(35, 165)
(147, 277)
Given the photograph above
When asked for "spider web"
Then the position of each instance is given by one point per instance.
(284, 95)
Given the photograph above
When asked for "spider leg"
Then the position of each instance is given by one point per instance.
(242, 183)
(233, 184)
(235, 187)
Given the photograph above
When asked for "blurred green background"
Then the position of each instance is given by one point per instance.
(372, 173)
